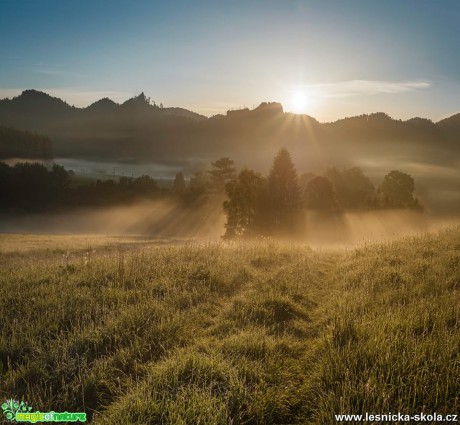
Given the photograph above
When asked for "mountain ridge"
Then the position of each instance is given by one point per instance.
(29, 94)
(140, 129)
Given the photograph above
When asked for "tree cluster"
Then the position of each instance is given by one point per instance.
(106, 192)
(24, 144)
(33, 187)
(275, 205)
(204, 182)
(349, 189)
(260, 205)
(256, 205)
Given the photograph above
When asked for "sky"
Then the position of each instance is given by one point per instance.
(329, 59)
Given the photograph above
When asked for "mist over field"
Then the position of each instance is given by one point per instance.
(230, 213)
(169, 220)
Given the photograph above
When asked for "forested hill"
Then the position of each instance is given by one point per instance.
(24, 144)
(141, 130)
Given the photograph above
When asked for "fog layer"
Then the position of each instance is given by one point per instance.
(171, 220)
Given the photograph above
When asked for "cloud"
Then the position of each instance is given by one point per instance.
(55, 72)
(364, 88)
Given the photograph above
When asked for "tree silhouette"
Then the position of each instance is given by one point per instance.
(198, 180)
(353, 189)
(179, 182)
(5, 184)
(244, 207)
(283, 193)
(320, 195)
(304, 179)
(144, 185)
(397, 190)
(222, 173)
(60, 181)
(24, 144)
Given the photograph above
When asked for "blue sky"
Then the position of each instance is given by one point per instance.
(327, 58)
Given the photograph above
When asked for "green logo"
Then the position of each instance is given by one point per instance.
(16, 411)
(11, 407)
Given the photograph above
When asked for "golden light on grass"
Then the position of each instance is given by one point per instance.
(209, 324)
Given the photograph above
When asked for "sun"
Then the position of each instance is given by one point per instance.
(300, 102)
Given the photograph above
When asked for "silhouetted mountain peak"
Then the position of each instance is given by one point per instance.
(421, 123)
(379, 116)
(141, 98)
(36, 96)
(265, 108)
(181, 112)
(138, 103)
(102, 104)
(270, 107)
(453, 121)
(238, 112)
(32, 93)
(39, 101)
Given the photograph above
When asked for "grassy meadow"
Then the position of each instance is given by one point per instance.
(138, 332)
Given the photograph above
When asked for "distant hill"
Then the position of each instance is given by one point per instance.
(24, 144)
(452, 122)
(143, 131)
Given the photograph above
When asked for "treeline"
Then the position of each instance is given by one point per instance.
(255, 205)
(349, 189)
(32, 187)
(24, 144)
(276, 204)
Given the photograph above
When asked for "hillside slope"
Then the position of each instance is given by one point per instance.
(239, 333)
(24, 144)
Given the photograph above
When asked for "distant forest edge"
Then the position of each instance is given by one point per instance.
(24, 144)
(255, 205)
(142, 130)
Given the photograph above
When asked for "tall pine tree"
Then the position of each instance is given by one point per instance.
(223, 171)
(284, 194)
(179, 182)
(245, 205)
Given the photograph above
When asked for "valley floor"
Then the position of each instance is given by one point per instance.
(133, 331)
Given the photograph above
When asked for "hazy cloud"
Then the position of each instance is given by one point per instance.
(364, 88)
(56, 72)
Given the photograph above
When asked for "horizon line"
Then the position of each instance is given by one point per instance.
(106, 94)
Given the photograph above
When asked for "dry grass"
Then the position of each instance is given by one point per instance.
(241, 333)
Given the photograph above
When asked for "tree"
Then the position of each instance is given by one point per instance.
(222, 173)
(305, 178)
(5, 184)
(179, 182)
(245, 205)
(283, 193)
(397, 190)
(353, 189)
(198, 182)
(60, 181)
(320, 195)
(31, 186)
(198, 186)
